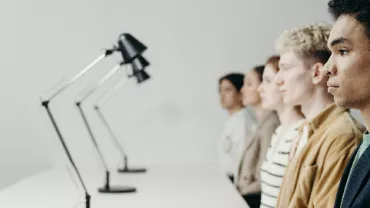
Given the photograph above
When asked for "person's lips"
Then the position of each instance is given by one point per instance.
(332, 87)
(332, 84)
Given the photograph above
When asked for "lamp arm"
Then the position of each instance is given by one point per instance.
(107, 95)
(69, 156)
(109, 75)
(92, 136)
(45, 103)
(113, 136)
(64, 86)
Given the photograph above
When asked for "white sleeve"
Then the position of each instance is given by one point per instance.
(239, 138)
(224, 150)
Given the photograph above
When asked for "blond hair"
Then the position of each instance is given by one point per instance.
(308, 41)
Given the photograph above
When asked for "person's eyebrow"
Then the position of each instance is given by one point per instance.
(283, 65)
(338, 41)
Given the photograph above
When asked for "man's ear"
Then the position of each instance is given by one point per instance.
(317, 73)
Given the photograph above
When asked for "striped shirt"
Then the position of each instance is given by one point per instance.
(275, 163)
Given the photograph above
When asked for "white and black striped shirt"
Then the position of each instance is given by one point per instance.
(275, 163)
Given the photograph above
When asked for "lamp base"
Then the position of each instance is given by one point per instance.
(117, 189)
(131, 170)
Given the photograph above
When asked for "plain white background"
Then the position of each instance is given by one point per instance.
(172, 118)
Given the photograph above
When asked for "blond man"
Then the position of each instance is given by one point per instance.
(329, 136)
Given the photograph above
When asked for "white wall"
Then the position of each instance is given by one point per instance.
(174, 117)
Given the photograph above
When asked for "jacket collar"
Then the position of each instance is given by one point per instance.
(265, 117)
(326, 117)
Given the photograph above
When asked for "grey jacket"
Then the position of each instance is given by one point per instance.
(248, 178)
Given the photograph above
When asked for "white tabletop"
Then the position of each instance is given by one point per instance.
(189, 186)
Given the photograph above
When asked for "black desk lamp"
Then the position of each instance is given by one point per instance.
(107, 188)
(138, 66)
(130, 48)
(138, 69)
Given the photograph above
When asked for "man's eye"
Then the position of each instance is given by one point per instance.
(343, 52)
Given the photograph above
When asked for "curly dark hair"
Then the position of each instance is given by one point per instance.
(359, 9)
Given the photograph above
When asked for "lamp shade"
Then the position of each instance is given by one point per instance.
(139, 63)
(141, 76)
(130, 47)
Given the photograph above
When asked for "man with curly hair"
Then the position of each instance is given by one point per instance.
(329, 136)
(349, 82)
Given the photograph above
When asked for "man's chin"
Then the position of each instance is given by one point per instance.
(342, 103)
(267, 107)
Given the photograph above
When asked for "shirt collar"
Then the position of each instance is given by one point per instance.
(366, 138)
(326, 116)
(250, 113)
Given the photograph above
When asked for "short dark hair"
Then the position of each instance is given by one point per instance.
(259, 69)
(236, 79)
(359, 9)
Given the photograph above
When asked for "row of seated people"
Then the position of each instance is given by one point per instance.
(290, 140)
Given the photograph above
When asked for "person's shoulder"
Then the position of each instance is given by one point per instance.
(344, 134)
(270, 123)
(345, 126)
(248, 115)
(273, 119)
(271, 116)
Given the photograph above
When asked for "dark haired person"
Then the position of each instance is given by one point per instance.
(349, 82)
(238, 125)
(329, 135)
(248, 180)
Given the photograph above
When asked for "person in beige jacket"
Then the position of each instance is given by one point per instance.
(247, 180)
(329, 136)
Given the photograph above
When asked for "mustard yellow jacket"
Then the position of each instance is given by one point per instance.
(312, 177)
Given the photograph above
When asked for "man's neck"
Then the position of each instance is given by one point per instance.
(288, 115)
(234, 110)
(315, 105)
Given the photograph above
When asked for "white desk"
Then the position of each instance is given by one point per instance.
(189, 186)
